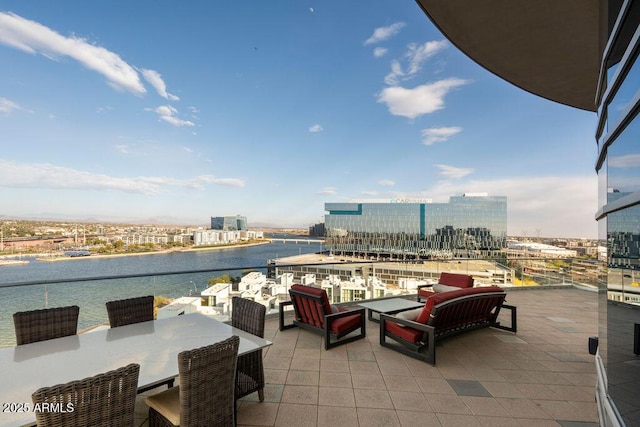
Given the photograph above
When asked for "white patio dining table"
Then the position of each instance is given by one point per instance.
(154, 345)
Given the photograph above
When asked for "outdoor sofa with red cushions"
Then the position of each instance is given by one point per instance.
(314, 312)
(444, 314)
(448, 279)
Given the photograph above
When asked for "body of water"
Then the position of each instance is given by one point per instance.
(91, 296)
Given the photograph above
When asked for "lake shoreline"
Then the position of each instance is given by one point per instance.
(164, 251)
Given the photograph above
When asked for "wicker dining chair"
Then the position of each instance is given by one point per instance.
(205, 395)
(249, 316)
(46, 324)
(107, 399)
(127, 311)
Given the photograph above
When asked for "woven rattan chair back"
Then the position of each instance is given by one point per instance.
(206, 386)
(40, 325)
(249, 316)
(128, 311)
(107, 399)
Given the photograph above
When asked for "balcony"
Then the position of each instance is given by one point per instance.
(541, 376)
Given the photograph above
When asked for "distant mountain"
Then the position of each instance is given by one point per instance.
(168, 220)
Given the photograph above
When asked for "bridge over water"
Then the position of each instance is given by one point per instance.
(296, 241)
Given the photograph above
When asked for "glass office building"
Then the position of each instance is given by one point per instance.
(618, 166)
(468, 226)
(229, 223)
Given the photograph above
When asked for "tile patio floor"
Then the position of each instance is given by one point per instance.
(541, 376)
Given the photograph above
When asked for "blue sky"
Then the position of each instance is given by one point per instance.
(179, 111)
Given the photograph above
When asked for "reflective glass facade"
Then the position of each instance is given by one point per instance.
(229, 223)
(467, 226)
(618, 166)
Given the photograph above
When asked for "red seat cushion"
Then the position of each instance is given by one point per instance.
(346, 323)
(458, 280)
(406, 333)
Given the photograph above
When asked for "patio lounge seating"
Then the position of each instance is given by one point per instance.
(46, 324)
(447, 279)
(313, 312)
(444, 314)
(104, 400)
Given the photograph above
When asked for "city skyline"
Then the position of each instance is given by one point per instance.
(124, 112)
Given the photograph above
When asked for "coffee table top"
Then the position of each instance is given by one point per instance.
(391, 305)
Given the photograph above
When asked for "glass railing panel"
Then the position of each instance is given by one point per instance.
(209, 291)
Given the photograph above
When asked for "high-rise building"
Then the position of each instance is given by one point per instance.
(468, 226)
(585, 54)
(229, 223)
(317, 230)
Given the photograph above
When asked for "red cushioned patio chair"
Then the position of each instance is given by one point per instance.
(313, 312)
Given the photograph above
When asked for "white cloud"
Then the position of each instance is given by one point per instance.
(155, 79)
(48, 176)
(626, 161)
(379, 52)
(415, 57)
(32, 37)
(558, 206)
(386, 182)
(122, 148)
(419, 54)
(420, 100)
(167, 113)
(327, 191)
(396, 73)
(369, 193)
(316, 128)
(433, 135)
(453, 172)
(227, 182)
(7, 106)
(384, 33)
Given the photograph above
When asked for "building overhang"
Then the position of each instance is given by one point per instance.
(550, 48)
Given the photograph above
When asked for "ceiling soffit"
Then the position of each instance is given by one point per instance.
(547, 47)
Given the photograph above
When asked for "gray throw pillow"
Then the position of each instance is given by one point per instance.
(410, 314)
(439, 287)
